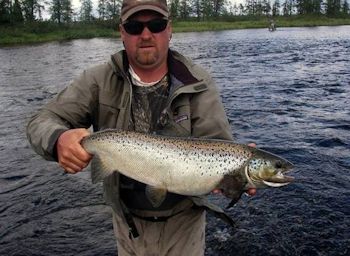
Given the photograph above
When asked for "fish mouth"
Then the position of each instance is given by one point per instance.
(278, 180)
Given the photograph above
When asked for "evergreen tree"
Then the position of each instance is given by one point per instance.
(86, 10)
(333, 8)
(16, 15)
(67, 11)
(308, 6)
(276, 8)
(61, 11)
(219, 7)
(206, 8)
(184, 10)
(113, 9)
(266, 7)
(5, 11)
(31, 8)
(102, 9)
(242, 10)
(174, 8)
(197, 9)
(288, 8)
(345, 8)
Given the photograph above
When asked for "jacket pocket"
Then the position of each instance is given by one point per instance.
(108, 111)
(177, 121)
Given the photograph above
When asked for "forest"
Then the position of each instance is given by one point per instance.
(27, 21)
(61, 11)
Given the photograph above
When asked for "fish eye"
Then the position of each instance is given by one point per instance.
(278, 164)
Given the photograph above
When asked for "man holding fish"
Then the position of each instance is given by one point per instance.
(146, 88)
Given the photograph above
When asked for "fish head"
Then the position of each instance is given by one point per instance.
(265, 169)
(262, 170)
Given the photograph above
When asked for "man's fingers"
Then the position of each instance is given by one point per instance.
(71, 155)
(81, 154)
(251, 192)
(252, 145)
(217, 191)
(74, 163)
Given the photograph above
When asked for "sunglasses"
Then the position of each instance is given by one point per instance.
(134, 27)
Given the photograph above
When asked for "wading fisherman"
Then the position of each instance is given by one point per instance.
(147, 88)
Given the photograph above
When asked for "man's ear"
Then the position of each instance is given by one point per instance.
(121, 31)
(170, 30)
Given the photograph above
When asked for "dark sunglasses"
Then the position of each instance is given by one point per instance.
(134, 27)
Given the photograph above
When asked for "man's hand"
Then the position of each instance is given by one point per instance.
(251, 191)
(72, 157)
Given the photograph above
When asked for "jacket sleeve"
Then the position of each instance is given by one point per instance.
(71, 108)
(209, 119)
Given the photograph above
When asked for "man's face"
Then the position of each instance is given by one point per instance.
(147, 50)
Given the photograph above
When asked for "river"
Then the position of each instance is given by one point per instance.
(288, 91)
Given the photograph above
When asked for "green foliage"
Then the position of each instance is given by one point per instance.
(36, 32)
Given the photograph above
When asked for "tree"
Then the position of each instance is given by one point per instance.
(67, 11)
(31, 8)
(113, 7)
(61, 11)
(308, 6)
(102, 9)
(266, 7)
(345, 8)
(16, 15)
(287, 8)
(185, 9)
(174, 9)
(206, 8)
(197, 9)
(276, 8)
(5, 11)
(242, 10)
(333, 7)
(219, 7)
(86, 10)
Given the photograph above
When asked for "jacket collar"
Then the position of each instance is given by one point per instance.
(177, 69)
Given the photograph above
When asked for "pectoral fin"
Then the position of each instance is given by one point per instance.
(156, 195)
(99, 170)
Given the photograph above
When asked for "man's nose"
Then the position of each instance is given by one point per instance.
(146, 33)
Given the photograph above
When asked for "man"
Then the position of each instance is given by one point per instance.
(147, 88)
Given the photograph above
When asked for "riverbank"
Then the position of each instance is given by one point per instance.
(45, 31)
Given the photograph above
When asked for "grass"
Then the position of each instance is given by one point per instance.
(39, 32)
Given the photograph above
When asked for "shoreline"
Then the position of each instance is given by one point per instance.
(42, 32)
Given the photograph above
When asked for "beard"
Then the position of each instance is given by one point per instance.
(147, 57)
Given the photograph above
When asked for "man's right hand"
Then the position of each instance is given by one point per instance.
(72, 157)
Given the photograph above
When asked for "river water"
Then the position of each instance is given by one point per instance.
(288, 91)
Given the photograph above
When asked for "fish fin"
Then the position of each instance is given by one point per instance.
(156, 195)
(202, 203)
(99, 170)
(234, 200)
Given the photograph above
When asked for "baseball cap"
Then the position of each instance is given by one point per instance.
(130, 7)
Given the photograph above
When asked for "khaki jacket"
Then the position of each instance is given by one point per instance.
(101, 97)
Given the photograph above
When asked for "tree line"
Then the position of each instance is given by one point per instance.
(61, 11)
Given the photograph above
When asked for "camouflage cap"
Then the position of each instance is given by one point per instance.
(130, 7)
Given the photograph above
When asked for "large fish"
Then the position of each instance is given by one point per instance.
(185, 166)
